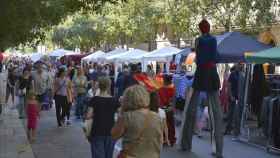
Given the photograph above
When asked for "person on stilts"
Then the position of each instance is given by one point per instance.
(206, 79)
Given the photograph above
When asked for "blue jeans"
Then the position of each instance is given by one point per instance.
(21, 106)
(80, 105)
(102, 147)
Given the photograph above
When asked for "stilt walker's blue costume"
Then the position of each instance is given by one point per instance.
(206, 79)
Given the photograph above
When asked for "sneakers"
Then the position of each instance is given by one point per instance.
(216, 155)
(68, 122)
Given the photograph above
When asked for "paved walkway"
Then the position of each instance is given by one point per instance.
(54, 142)
(69, 142)
(13, 139)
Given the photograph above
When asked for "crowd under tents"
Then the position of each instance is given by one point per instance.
(267, 56)
(232, 47)
(76, 58)
(93, 57)
(130, 56)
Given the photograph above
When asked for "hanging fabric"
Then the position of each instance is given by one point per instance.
(259, 89)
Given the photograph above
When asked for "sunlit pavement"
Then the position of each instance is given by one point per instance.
(69, 142)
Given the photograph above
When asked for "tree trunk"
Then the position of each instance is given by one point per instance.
(178, 42)
(150, 45)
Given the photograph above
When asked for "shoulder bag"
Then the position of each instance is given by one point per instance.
(59, 88)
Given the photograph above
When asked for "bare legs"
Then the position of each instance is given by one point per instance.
(31, 135)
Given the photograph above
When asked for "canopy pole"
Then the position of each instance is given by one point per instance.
(167, 67)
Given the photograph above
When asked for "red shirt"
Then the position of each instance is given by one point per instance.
(166, 95)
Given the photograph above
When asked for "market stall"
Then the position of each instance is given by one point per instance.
(163, 55)
(267, 56)
(232, 48)
(103, 58)
(233, 45)
(131, 56)
(184, 58)
(93, 57)
(268, 107)
(182, 55)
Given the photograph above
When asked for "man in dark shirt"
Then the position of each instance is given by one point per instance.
(233, 83)
(129, 79)
(233, 96)
(120, 82)
(95, 75)
(98, 73)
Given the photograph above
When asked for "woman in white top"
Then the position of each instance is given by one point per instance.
(62, 97)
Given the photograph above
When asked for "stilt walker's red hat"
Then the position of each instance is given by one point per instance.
(204, 26)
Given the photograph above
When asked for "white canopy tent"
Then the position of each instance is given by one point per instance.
(58, 53)
(113, 58)
(36, 56)
(134, 55)
(108, 55)
(93, 57)
(164, 54)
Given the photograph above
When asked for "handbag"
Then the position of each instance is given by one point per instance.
(180, 103)
(21, 92)
(124, 152)
(58, 89)
(87, 127)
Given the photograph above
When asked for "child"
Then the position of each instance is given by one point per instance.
(32, 111)
(154, 106)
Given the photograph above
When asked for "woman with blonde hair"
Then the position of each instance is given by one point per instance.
(140, 128)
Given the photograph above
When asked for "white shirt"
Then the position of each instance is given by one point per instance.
(162, 114)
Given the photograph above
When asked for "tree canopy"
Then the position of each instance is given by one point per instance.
(24, 21)
(94, 23)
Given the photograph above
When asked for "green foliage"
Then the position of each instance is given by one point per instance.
(25, 21)
(235, 13)
(95, 23)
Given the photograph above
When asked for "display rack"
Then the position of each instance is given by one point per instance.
(270, 146)
(245, 131)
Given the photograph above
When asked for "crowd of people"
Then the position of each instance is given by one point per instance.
(127, 107)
